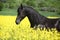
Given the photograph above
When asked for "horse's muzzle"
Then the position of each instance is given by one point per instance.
(17, 22)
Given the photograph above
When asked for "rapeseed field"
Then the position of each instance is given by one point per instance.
(10, 31)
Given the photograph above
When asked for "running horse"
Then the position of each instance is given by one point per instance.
(35, 18)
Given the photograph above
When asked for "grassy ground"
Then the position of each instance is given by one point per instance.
(49, 14)
(10, 31)
(7, 11)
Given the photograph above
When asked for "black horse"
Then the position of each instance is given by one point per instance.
(35, 18)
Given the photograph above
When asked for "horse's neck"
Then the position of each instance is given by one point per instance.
(35, 17)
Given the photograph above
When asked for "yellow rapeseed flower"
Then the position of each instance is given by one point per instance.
(10, 31)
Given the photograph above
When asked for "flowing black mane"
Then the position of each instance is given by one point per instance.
(35, 18)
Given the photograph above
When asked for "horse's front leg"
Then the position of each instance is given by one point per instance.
(35, 27)
(41, 26)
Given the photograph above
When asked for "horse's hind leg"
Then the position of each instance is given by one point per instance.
(58, 28)
(57, 25)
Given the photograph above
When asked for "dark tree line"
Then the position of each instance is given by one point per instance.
(38, 4)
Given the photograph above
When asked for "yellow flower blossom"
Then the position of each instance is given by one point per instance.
(10, 31)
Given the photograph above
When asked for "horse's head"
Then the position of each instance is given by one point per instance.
(21, 14)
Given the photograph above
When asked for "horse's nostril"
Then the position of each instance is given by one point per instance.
(16, 22)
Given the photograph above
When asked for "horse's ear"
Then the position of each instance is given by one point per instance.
(21, 6)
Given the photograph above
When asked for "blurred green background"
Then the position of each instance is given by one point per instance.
(45, 7)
